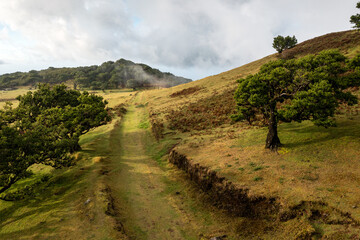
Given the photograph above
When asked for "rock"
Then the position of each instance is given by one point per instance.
(87, 201)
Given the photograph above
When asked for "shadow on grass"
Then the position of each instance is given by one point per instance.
(297, 135)
(42, 213)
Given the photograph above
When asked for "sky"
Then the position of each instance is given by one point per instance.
(190, 38)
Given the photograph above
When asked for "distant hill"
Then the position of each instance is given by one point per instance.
(109, 75)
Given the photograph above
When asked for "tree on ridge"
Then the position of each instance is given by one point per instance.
(282, 43)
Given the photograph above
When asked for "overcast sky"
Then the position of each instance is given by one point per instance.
(190, 38)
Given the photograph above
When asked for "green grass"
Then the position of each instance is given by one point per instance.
(144, 124)
(306, 142)
(48, 211)
(256, 179)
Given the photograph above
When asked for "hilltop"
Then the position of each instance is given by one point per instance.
(109, 75)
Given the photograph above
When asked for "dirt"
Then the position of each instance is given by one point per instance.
(223, 193)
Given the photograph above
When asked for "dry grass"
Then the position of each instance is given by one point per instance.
(208, 113)
(315, 164)
(347, 42)
(9, 96)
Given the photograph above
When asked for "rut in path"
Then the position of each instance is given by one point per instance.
(138, 187)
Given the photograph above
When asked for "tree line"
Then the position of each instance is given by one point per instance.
(109, 75)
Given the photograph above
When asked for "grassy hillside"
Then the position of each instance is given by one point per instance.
(316, 165)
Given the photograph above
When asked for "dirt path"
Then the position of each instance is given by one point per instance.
(138, 187)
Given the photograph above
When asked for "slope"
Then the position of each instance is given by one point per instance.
(315, 176)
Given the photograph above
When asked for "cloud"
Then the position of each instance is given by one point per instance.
(2, 62)
(194, 38)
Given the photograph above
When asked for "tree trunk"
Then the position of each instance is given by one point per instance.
(272, 139)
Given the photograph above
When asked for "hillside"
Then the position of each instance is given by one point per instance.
(109, 75)
(314, 177)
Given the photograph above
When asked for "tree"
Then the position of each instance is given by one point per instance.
(133, 83)
(309, 88)
(281, 43)
(355, 19)
(45, 128)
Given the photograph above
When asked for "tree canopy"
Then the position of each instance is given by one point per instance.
(355, 19)
(45, 128)
(281, 43)
(309, 88)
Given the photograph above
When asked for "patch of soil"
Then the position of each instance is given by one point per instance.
(186, 91)
(224, 194)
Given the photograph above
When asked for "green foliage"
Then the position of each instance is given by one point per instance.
(281, 43)
(355, 19)
(134, 84)
(309, 88)
(45, 128)
(109, 75)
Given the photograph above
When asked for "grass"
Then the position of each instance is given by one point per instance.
(9, 96)
(51, 201)
(314, 164)
(55, 209)
(311, 158)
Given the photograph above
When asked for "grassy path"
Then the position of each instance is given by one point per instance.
(116, 186)
(138, 185)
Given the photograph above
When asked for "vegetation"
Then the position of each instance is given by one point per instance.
(314, 176)
(295, 90)
(207, 113)
(109, 75)
(45, 128)
(355, 19)
(281, 43)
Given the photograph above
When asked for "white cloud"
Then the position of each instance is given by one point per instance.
(192, 38)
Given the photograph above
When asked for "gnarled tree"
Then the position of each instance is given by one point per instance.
(309, 88)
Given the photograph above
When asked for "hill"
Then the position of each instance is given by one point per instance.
(109, 75)
(313, 181)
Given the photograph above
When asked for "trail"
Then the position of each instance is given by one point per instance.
(138, 188)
